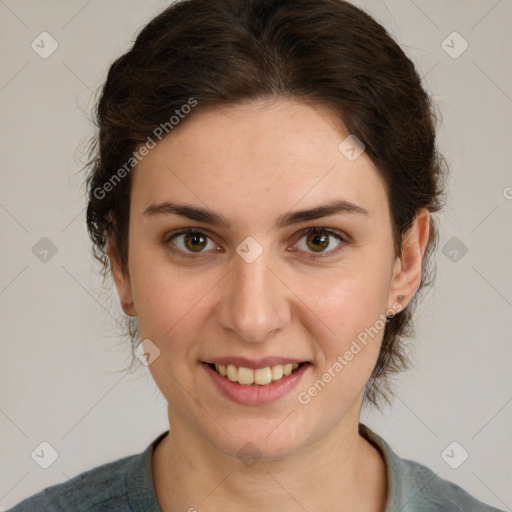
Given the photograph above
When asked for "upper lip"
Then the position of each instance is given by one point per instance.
(254, 363)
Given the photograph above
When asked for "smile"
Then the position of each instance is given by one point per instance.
(267, 381)
(256, 376)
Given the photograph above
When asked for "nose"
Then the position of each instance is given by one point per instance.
(254, 301)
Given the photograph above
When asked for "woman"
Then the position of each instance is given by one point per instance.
(262, 192)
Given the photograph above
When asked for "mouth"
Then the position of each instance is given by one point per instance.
(255, 376)
(253, 382)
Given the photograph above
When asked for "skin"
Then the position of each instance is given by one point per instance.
(251, 163)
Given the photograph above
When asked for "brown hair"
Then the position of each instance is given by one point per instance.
(227, 51)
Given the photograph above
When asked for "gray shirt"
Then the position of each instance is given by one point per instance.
(126, 485)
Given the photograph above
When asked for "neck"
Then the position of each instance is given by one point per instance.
(341, 471)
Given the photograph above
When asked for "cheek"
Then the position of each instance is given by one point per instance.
(168, 302)
(347, 301)
(348, 339)
(351, 306)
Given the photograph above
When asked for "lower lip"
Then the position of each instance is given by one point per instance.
(256, 394)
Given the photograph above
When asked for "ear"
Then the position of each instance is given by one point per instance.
(121, 277)
(406, 276)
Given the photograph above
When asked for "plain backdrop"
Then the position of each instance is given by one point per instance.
(60, 362)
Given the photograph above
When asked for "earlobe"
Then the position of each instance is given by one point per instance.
(407, 269)
(121, 278)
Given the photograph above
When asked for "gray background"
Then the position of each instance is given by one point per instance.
(60, 358)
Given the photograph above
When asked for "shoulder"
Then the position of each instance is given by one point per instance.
(423, 490)
(414, 487)
(123, 485)
(88, 491)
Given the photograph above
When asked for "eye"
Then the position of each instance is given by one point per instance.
(319, 240)
(190, 241)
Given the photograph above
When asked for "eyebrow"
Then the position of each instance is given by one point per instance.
(207, 216)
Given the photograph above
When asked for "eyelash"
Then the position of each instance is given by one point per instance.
(187, 231)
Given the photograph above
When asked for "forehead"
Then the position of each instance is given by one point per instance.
(259, 157)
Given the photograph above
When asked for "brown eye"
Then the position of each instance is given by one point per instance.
(318, 240)
(194, 241)
(188, 242)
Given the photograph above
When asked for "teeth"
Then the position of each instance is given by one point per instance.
(245, 375)
(260, 376)
(232, 372)
(277, 372)
(287, 368)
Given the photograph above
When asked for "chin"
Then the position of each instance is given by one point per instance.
(261, 439)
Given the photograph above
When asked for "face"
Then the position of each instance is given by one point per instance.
(255, 284)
